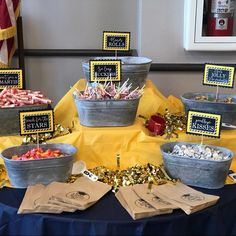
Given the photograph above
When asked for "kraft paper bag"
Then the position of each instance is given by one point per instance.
(134, 205)
(47, 197)
(55, 201)
(186, 198)
(30, 202)
(159, 204)
(83, 193)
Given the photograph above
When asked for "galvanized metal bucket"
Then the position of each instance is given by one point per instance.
(9, 118)
(203, 173)
(103, 113)
(24, 173)
(133, 68)
(227, 110)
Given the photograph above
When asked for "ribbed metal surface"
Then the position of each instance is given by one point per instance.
(196, 172)
(227, 110)
(104, 113)
(45, 171)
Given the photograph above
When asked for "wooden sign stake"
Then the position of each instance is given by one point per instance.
(217, 92)
(37, 137)
(202, 139)
(96, 75)
(118, 160)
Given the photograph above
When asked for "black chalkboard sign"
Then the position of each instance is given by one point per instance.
(11, 78)
(118, 41)
(105, 70)
(40, 121)
(206, 124)
(216, 75)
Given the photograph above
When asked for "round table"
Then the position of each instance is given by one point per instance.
(107, 217)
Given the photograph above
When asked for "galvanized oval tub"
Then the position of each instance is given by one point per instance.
(227, 110)
(133, 68)
(203, 173)
(29, 172)
(104, 113)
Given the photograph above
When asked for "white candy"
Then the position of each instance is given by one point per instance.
(199, 152)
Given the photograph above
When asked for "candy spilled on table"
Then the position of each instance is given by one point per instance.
(43, 137)
(168, 124)
(4, 181)
(138, 174)
(174, 122)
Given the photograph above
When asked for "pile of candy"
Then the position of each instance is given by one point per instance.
(13, 97)
(199, 152)
(211, 99)
(43, 137)
(4, 181)
(137, 174)
(106, 91)
(169, 123)
(174, 122)
(38, 153)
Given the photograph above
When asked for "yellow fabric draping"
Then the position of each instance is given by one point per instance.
(99, 146)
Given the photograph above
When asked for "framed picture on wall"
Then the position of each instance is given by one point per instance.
(209, 25)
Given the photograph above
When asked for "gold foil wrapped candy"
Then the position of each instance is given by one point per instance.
(228, 100)
(201, 98)
(168, 124)
(150, 184)
(59, 131)
(73, 178)
(210, 99)
(137, 174)
(174, 122)
(4, 181)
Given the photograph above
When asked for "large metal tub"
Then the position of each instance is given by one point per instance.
(196, 172)
(9, 118)
(102, 113)
(24, 173)
(227, 110)
(133, 68)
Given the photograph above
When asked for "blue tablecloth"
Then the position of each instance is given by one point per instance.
(107, 217)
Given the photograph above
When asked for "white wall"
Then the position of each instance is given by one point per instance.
(178, 83)
(76, 24)
(69, 24)
(156, 28)
(162, 35)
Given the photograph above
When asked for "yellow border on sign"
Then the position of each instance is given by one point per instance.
(117, 63)
(24, 114)
(204, 115)
(118, 34)
(228, 68)
(20, 78)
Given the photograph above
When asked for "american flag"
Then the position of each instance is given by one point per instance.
(9, 11)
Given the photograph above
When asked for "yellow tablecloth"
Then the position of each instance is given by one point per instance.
(99, 146)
